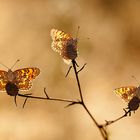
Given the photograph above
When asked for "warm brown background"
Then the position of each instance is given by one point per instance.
(112, 54)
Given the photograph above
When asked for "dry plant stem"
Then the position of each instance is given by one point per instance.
(46, 98)
(102, 130)
(113, 121)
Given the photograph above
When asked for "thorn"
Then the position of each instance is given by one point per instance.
(76, 64)
(46, 93)
(124, 109)
(68, 71)
(73, 61)
(82, 68)
(106, 121)
(73, 103)
(127, 112)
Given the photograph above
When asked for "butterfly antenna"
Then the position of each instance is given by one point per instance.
(136, 80)
(4, 65)
(15, 63)
(77, 32)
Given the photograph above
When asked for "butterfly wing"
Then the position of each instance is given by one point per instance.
(24, 77)
(126, 93)
(3, 80)
(60, 40)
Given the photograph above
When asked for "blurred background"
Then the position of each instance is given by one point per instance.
(108, 42)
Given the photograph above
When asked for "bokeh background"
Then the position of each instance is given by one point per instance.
(108, 42)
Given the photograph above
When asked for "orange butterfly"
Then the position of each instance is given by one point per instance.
(20, 79)
(64, 44)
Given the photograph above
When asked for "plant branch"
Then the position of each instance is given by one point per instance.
(46, 98)
(102, 130)
(113, 121)
(77, 79)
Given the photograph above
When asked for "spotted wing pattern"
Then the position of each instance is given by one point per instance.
(126, 93)
(3, 80)
(60, 40)
(24, 77)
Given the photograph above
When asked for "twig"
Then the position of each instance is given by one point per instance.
(68, 71)
(82, 68)
(46, 98)
(113, 121)
(102, 130)
(133, 105)
(71, 102)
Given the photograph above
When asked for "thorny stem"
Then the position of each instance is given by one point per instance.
(113, 121)
(77, 79)
(102, 130)
(47, 98)
(71, 102)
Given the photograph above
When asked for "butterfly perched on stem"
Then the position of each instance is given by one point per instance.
(130, 94)
(21, 79)
(64, 44)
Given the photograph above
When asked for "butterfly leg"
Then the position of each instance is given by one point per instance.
(26, 100)
(133, 104)
(15, 99)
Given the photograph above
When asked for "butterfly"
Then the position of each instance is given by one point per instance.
(128, 92)
(21, 79)
(64, 44)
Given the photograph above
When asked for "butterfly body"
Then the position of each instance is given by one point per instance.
(69, 51)
(10, 76)
(64, 44)
(11, 89)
